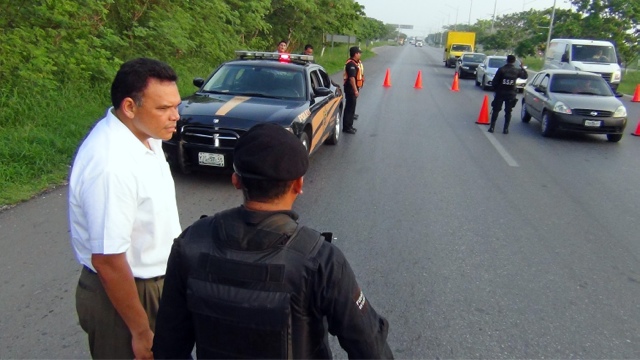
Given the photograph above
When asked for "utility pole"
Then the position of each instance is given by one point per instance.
(553, 14)
(493, 19)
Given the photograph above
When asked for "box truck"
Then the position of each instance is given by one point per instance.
(456, 43)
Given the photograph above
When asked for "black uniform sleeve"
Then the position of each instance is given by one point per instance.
(362, 333)
(523, 74)
(352, 70)
(174, 337)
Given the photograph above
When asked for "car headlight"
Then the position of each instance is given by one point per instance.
(617, 76)
(490, 75)
(620, 112)
(560, 107)
(465, 67)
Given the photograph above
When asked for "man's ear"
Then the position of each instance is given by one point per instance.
(236, 180)
(297, 185)
(128, 107)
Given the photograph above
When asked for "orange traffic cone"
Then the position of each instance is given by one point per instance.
(637, 133)
(454, 86)
(387, 79)
(636, 95)
(483, 117)
(418, 84)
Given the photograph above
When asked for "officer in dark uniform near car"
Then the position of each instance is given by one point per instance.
(504, 84)
(250, 282)
(353, 81)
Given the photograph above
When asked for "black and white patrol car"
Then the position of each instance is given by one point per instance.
(286, 89)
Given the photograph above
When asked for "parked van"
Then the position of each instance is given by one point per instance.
(587, 55)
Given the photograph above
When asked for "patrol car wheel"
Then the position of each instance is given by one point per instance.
(614, 137)
(304, 139)
(524, 114)
(546, 125)
(337, 129)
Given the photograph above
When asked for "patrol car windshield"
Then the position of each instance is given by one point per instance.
(579, 84)
(258, 81)
(593, 53)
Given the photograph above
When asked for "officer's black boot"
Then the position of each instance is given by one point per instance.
(507, 120)
(494, 118)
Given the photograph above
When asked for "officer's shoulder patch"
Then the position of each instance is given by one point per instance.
(360, 299)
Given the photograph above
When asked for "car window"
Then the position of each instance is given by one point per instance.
(536, 80)
(544, 84)
(316, 80)
(593, 53)
(257, 80)
(496, 63)
(579, 84)
(473, 58)
(461, 47)
(326, 80)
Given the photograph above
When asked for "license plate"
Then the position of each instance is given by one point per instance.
(209, 159)
(592, 123)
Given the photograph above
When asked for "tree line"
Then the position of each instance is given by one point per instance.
(47, 43)
(525, 33)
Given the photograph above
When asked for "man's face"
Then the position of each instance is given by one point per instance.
(356, 56)
(308, 52)
(157, 115)
(282, 47)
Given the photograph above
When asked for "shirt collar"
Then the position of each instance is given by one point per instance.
(129, 140)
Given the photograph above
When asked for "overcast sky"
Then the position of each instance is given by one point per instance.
(428, 16)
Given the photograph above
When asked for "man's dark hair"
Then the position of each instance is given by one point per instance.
(133, 77)
(263, 190)
(308, 46)
(511, 59)
(283, 41)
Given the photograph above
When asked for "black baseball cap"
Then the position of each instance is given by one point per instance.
(270, 152)
(354, 50)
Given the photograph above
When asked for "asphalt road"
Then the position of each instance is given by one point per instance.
(473, 245)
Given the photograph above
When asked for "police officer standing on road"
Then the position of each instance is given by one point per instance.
(353, 82)
(250, 282)
(504, 84)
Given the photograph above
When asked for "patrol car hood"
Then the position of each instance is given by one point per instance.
(230, 111)
(576, 101)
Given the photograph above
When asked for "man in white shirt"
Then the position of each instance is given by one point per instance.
(122, 211)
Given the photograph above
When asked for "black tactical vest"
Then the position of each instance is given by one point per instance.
(242, 301)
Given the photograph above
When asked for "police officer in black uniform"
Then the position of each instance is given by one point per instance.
(504, 84)
(250, 282)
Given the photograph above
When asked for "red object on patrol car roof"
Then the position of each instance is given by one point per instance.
(285, 58)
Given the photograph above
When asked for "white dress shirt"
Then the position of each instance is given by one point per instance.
(122, 199)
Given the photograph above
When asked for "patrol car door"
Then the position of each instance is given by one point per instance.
(320, 107)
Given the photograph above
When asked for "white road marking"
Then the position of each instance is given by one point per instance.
(496, 144)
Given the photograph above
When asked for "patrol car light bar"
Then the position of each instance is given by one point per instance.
(273, 56)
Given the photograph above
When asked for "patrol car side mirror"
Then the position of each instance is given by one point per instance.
(198, 82)
(321, 91)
